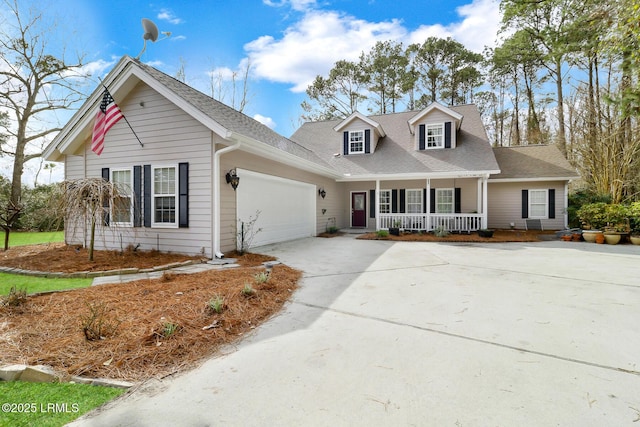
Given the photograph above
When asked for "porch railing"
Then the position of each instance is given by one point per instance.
(451, 222)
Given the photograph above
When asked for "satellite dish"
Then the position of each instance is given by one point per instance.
(150, 33)
(150, 30)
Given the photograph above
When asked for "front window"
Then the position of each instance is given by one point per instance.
(385, 201)
(414, 201)
(538, 203)
(356, 142)
(122, 208)
(164, 196)
(444, 200)
(435, 136)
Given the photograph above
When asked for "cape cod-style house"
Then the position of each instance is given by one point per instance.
(202, 169)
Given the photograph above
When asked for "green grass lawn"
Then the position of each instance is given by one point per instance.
(49, 404)
(20, 238)
(39, 284)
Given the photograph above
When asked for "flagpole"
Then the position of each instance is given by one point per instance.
(123, 116)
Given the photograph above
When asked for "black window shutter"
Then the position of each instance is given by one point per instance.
(367, 141)
(394, 201)
(137, 196)
(147, 196)
(457, 200)
(432, 208)
(403, 207)
(105, 202)
(447, 135)
(372, 203)
(183, 194)
(345, 143)
(424, 200)
(552, 203)
(525, 203)
(422, 131)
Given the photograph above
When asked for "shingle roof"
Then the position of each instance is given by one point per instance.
(532, 161)
(228, 117)
(396, 153)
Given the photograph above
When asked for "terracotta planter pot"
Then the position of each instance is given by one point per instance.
(612, 239)
(590, 235)
(599, 238)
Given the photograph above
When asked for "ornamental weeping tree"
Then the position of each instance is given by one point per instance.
(87, 199)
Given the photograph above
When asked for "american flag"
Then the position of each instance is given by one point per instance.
(107, 116)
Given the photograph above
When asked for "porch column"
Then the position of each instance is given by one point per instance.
(428, 204)
(377, 201)
(484, 202)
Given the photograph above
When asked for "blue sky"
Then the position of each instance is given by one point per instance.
(288, 42)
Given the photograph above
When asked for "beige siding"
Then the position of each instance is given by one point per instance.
(169, 136)
(505, 204)
(243, 160)
(437, 116)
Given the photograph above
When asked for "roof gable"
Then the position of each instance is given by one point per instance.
(359, 116)
(457, 117)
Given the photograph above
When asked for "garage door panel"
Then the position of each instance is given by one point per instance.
(286, 207)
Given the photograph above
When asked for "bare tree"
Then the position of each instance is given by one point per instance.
(33, 81)
(231, 87)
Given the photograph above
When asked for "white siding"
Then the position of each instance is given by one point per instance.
(505, 204)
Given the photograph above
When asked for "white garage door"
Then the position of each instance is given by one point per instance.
(287, 208)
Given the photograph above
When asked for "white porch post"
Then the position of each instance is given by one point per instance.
(377, 200)
(484, 202)
(566, 205)
(479, 198)
(428, 202)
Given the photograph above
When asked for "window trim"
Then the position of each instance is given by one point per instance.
(426, 136)
(531, 203)
(387, 204)
(419, 191)
(452, 191)
(351, 142)
(130, 196)
(175, 195)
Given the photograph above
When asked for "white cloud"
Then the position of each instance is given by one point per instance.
(311, 46)
(267, 121)
(478, 27)
(314, 44)
(298, 5)
(167, 15)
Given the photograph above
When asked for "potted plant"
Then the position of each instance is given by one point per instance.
(395, 230)
(634, 222)
(593, 219)
(485, 232)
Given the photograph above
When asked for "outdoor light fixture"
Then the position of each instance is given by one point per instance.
(322, 193)
(233, 179)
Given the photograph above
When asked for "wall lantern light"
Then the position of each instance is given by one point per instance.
(233, 179)
(322, 193)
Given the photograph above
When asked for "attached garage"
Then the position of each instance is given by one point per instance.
(287, 207)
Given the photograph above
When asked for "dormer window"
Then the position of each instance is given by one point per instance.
(356, 142)
(435, 135)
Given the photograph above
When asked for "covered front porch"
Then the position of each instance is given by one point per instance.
(456, 204)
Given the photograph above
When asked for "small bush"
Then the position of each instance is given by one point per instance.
(248, 291)
(97, 324)
(14, 298)
(261, 277)
(216, 304)
(383, 234)
(441, 232)
(168, 329)
(332, 230)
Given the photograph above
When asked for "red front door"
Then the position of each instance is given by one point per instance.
(359, 209)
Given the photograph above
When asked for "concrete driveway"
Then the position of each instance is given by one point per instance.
(425, 334)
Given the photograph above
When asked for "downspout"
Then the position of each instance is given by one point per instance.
(216, 186)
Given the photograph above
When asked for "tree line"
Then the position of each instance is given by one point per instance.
(564, 72)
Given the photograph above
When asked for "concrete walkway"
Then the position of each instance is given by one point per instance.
(428, 334)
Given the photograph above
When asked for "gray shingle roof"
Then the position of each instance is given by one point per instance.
(228, 117)
(532, 161)
(396, 153)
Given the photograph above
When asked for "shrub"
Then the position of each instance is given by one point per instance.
(168, 329)
(593, 215)
(97, 324)
(382, 234)
(261, 277)
(14, 298)
(248, 291)
(216, 304)
(441, 232)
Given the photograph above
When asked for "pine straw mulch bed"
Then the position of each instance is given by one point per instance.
(499, 236)
(48, 328)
